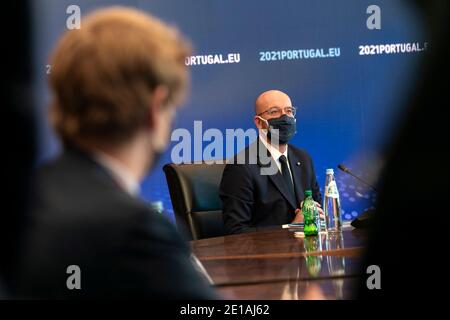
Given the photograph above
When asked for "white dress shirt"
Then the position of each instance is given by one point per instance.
(276, 154)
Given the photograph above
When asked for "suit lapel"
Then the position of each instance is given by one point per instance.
(276, 178)
(296, 175)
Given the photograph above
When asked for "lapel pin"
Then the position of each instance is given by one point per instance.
(298, 164)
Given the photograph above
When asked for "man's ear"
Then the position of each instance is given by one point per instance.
(259, 123)
(157, 103)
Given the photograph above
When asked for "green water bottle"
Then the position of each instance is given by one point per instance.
(310, 214)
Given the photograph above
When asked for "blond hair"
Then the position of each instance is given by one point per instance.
(103, 75)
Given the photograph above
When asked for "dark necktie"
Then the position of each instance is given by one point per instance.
(286, 175)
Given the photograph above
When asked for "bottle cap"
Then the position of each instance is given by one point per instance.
(308, 193)
(330, 171)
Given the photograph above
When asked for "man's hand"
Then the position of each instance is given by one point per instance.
(319, 209)
(298, 216)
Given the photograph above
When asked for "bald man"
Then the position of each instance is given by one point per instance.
(253, 197)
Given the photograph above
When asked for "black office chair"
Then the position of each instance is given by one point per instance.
(194, 191)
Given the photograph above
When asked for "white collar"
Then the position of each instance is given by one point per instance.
(123, 176)
(275, 153)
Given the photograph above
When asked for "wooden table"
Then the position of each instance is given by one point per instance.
(274, 264)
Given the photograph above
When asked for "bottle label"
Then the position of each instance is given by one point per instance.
(309, 207)
(310, 215)
(331, 190)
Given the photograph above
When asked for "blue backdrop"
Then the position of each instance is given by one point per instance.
(348, 102)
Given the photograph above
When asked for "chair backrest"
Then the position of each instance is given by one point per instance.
(194, 191)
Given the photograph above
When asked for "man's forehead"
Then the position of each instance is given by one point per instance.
(274, 98)
(271, 98)
(278, 101)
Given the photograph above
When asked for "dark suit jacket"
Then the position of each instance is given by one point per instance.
(252, 199)
(123, 248)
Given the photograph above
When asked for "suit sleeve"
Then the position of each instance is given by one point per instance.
(157, 262)
(236, 192)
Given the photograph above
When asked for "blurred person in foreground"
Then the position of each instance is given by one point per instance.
(116, 84)
(19, 143)
(408, 236)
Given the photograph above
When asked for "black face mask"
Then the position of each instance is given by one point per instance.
(286, 126)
